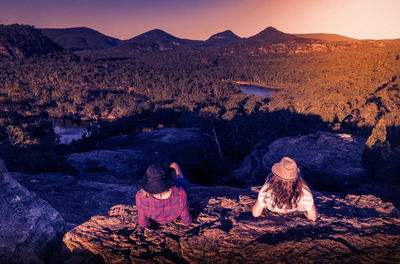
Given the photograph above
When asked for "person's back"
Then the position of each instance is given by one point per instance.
(285, 191)
(160, 199)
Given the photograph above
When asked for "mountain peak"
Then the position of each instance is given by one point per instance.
(223, 38)
(271, 29)
(155, 31)
(271, 34)
(227, 34)
(154, 35)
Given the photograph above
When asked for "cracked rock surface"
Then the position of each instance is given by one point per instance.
(359, 229)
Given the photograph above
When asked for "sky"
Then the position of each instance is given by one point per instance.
(199, 19)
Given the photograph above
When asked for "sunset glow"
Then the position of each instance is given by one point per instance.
(200, 19)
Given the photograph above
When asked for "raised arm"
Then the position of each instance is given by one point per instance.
(178, 171)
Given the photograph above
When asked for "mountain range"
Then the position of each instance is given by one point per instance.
(18, 41)
(86, 39)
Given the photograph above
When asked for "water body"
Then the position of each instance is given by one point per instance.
(257, 90)
(69, 130)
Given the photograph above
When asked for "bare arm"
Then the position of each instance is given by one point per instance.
(177, 169)
(312, 214)
(257, 209)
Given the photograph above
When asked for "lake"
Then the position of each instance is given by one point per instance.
(69, 130)
(257, 90)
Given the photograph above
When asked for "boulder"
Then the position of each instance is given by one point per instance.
(328, 161)
(77, 198)
(195, 152)
(123, 161)
(359, 229)
(30, 228)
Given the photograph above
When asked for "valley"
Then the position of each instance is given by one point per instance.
(345, 87)
(118, 105)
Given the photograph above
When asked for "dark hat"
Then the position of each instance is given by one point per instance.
(158, 178)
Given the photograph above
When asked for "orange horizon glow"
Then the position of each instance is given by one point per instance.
(192, 19)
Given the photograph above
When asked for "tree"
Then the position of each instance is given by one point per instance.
(376, 151)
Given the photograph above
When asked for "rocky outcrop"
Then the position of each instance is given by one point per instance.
(190, 147)
(111, 176)
(22, 41)
(327, 161)
(119, 160)
(77, 198)
(359, 229)
(29, 226)
(10, 52)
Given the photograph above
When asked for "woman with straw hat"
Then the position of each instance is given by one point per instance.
(285, 191)
(163, 197)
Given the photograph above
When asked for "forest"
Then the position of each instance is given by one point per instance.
(346, 89)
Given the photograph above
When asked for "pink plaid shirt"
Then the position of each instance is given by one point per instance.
(163, 210)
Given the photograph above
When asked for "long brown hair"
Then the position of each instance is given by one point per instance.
(285, 194)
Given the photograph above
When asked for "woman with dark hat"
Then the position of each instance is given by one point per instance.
(285, 191)
(163, 197)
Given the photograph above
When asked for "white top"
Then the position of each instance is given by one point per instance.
(305, 202)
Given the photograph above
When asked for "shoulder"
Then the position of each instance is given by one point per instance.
(139, 194)
(307, 200)
(307, 192)
(263, 195)
(263, 189)
(178, 191)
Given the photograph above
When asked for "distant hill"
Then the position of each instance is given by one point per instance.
(226, 37)
(80, 38)
(21, 41)
(153, 40)
(272, 35)
(325, 36)
(158, 39)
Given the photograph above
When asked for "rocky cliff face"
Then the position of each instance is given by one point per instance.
(29, 226)
(353, 228)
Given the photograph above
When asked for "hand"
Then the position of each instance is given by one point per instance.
(178, 171)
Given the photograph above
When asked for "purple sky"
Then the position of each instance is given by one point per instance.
(199, 19)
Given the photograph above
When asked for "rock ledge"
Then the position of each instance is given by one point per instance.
(359, 229)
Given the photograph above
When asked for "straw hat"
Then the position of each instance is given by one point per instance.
(286, 169)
